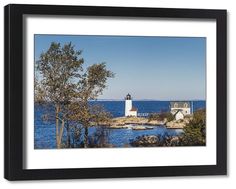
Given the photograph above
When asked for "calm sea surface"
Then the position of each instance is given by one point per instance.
(44, 131)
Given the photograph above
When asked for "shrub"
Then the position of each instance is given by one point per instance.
(155, 140)
(161, 116)
(195, 131)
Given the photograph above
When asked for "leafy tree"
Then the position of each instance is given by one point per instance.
(195, 131)
(83, 113)
(90, 86)
(64, 84)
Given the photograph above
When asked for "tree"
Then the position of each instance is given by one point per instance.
(90, 86)
(63, 84)
(195, 131)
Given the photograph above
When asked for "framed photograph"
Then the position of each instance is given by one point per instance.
(112, 92)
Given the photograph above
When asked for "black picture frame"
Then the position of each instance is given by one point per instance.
(14, 96)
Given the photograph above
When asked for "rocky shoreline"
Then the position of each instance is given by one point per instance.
(121, 121)
(142, 123)
(154, 141)
(179, 124)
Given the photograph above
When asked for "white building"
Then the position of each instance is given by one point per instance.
(180, 108)
(179, 115)
(129, 109)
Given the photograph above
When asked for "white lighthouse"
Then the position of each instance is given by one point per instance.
(129, 109)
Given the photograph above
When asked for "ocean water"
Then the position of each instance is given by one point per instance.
(117, 108)
(44, 130)
(123, 137)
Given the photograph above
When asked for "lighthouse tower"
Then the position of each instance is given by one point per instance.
(129, 109)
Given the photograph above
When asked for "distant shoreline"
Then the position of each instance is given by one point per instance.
(142, 100)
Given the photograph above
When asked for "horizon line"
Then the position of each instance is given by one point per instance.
(149, 99)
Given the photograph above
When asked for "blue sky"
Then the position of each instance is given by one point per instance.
(160, 68)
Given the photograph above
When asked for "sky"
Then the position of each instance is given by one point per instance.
(157, 68)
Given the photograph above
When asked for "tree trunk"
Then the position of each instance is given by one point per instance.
(68, 135)
(57, 126)
(85, 136)
(61, 132)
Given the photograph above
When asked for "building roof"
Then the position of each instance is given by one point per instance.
(134, 109)
(180, 104)
(178, 111)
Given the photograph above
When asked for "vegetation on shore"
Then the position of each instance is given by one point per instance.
(153, 119)
(164, 117)
(194, 134)
(195, 131)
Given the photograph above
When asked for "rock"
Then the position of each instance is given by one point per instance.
(142, 141)
(175, 125)
(174, 141)
(122, 121)
(117, 127)
(155, 122)
(141, 128)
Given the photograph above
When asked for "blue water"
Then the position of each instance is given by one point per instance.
(117, 108)
(122, 137)
(44, 129)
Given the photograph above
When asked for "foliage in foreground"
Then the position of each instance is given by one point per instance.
(155, 140)
(194, 134)
(195, 131)
(61, 80)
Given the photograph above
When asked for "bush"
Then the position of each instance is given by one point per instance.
(155, 140)
(195, 131)
(100, 139)
(170, 117)
(161, 116)
(154, 116)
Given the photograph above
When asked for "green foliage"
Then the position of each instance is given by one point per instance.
(153, 116)
(161, 116)
(195, 132)
(58, 69)
(169, 116)
(93, 81)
